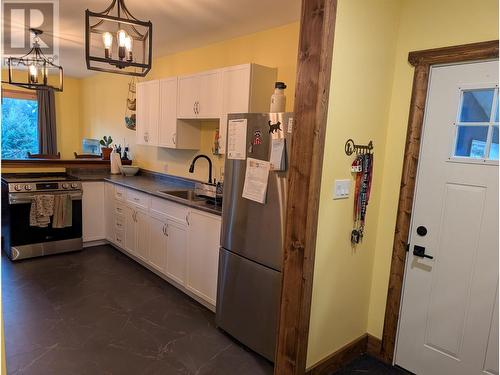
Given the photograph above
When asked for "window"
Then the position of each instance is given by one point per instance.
(477, 125)
(19, 124)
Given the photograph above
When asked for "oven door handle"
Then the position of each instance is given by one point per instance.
(23, 199)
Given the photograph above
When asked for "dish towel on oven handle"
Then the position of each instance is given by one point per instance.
(42, 208)
(63, 211)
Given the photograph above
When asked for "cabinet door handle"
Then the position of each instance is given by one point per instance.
(197, 108)
(134, 216)
(173, 138)
(194, 108)
(187, 218)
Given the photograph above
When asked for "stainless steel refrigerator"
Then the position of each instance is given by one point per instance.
(250, 259)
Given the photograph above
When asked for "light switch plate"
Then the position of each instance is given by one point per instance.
(341, 189)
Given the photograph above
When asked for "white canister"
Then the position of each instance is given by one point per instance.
(278, 99)
(116, 162)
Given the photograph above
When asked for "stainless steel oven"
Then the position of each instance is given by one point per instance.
(19, 239)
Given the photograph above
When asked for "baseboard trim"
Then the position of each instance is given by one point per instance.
(341, 357)
(365, 344)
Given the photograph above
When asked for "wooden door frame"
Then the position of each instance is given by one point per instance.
(317, 25)
(422, 61)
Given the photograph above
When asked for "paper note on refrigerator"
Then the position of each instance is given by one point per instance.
(256, 177)
(277, 158)
(237, 139)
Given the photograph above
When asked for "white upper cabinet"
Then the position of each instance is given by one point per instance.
(245, 88)
(200, 95)
(156, 117)
(168, 113)
(147, 113)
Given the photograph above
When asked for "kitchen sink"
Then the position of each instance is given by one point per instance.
(183, 194)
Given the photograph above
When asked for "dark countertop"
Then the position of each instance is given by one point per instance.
(152, 184)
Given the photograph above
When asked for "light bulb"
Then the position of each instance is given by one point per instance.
(128, 48)
(33, 74)
(107, 39)
(121, 35)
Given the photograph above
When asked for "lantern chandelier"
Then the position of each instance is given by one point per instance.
(119, 43)
(38, 67)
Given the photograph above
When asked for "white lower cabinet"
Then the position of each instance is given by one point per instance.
(142, 235)
(158, 243)
(93, 211)
(179, 242)
(203, 254)
(109, 209)
(176, 251)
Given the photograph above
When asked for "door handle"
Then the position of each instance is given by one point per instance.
(419, 251)
(173, 138)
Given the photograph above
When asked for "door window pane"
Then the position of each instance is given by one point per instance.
(494, 144)
(476, 105)
(19, 128)
(471, 141)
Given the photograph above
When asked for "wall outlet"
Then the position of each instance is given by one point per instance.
(341, 189)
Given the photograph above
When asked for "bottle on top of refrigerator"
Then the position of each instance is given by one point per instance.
(278, 99)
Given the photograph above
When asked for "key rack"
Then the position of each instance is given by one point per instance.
(351, 147)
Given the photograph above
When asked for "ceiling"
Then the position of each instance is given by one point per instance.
(177, 24)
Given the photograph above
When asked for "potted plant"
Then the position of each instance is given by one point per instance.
(106, 150)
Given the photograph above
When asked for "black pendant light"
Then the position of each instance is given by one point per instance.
(117, 42)
(38, 66)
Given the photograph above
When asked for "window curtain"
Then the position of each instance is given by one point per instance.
(47, 137)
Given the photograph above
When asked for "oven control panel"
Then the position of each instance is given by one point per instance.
(44, 186)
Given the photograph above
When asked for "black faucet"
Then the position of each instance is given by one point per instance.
(191, 168)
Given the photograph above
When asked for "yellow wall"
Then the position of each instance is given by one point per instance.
(68, 115)
(104, 95)
(369, 99)
(363, 61)
(424, 24)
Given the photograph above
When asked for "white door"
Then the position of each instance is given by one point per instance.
(142, 235)
(176, 251)
(189, 90)
(448, 321)
(158, 242)
(210, 97)
(203, 254)
(142, 113)
(130, 232)
(153, 96)
(168, 113)
(235, 97)
(93, 211)
(109, 210)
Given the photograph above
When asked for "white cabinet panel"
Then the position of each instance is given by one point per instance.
(188, 92)
(130, 232)
(153, 95)
(158, 243)
(141, 114)
(168, 113)
(176, 251)
(209, 103)
(142, 235)
(203, 254)
(236, 89)
(93, 211)
(147, 112)
(109, 209)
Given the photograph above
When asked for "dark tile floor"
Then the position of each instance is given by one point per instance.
(98, 312)
(367, 365)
